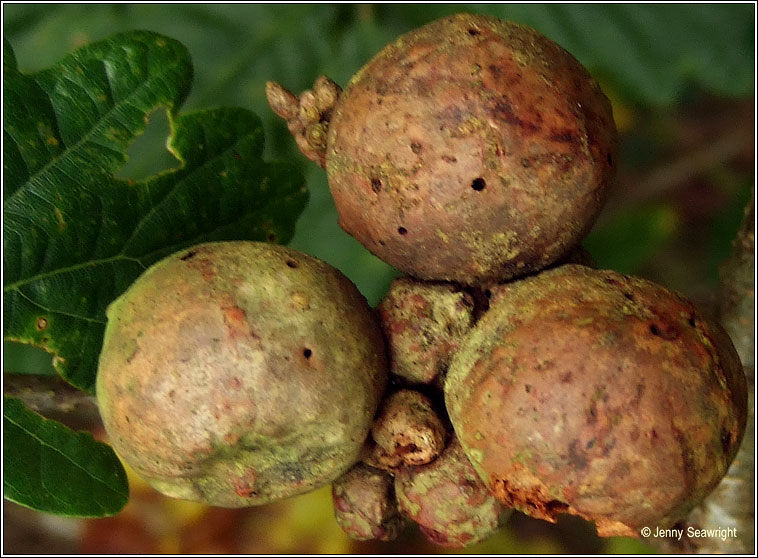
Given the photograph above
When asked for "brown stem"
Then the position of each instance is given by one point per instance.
(48, 394)
(730, 507)
(667, 176)
(737, 296)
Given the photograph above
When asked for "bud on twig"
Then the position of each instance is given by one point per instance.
(308, 115)
(315, 134)
(281, 100)
(327, 92)
(309, 112)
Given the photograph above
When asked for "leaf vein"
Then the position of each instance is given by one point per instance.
(75, 267)
(50, 447)
(61, 312)
(20, 151)
(182, 175)
(96, 129)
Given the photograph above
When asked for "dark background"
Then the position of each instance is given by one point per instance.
(681, 79)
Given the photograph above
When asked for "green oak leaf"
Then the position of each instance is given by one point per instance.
(75, 237)
(51, 468)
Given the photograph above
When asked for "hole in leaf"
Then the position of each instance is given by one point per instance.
(19, 358)
(292, 264)
(376, 185)
(307, 353)
(473, 32)
(402, 230)
(147, 155)
(188, 255)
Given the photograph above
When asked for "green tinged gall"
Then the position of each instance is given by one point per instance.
(237, 373)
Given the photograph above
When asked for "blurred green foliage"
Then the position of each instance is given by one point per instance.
(654, 61)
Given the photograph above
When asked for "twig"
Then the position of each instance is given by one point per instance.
(48, 394)
(658, 181)
(730, 509)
